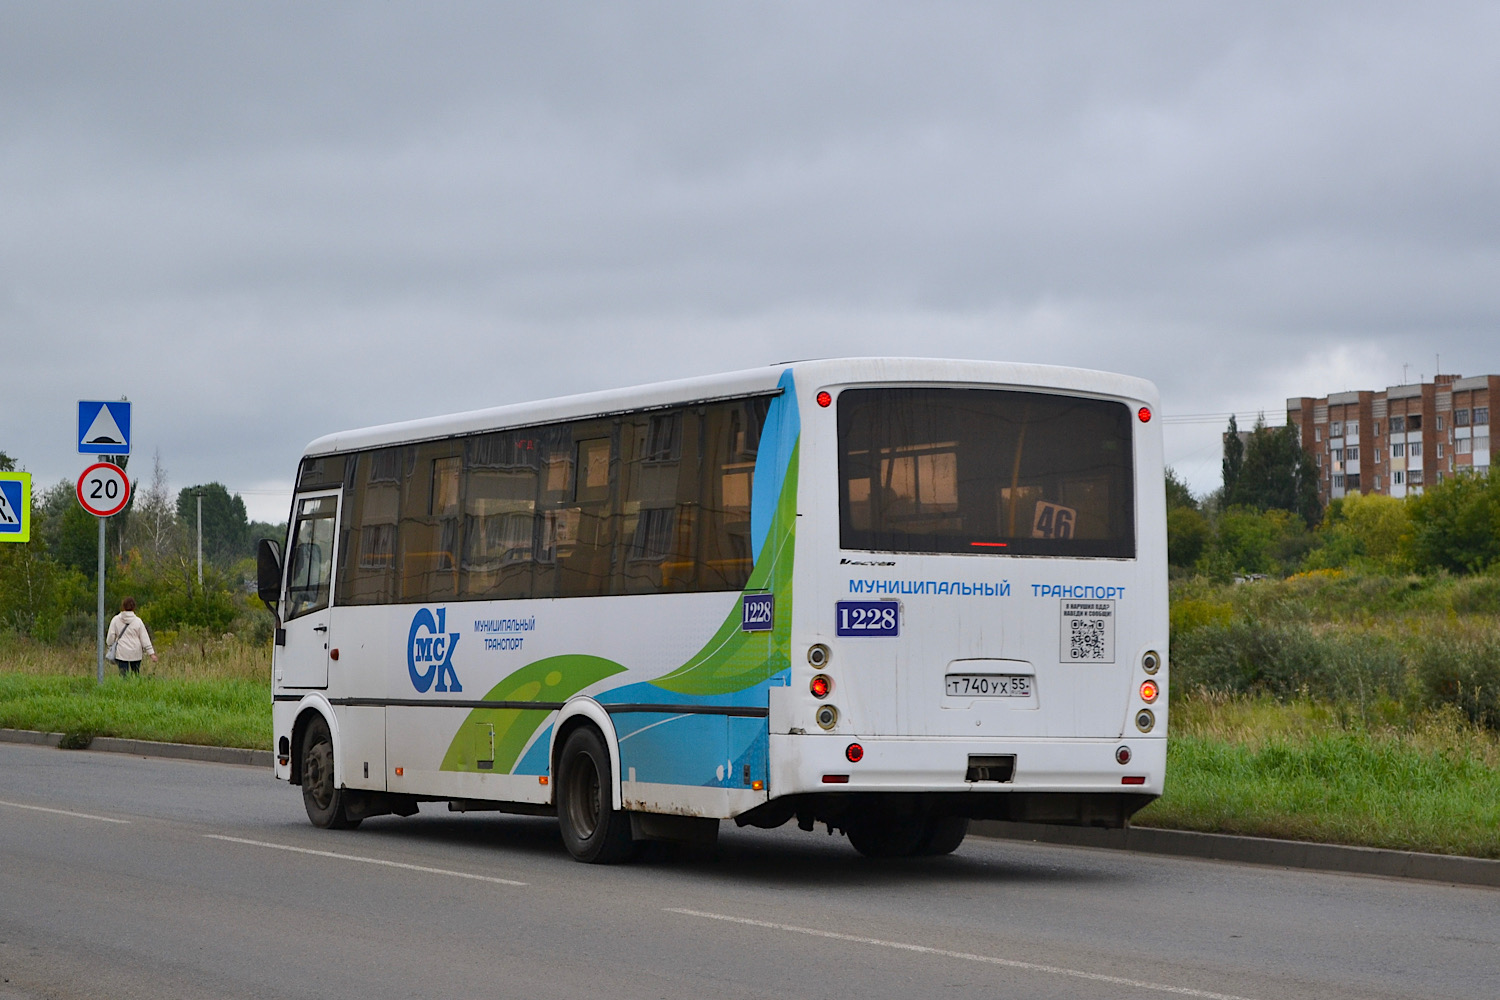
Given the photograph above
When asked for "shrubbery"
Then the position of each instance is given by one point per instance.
(1388, 646)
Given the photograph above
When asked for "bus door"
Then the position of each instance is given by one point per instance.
(309, 583)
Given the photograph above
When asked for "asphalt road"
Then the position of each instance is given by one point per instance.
(124, 877)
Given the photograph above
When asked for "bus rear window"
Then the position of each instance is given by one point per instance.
(985, 471)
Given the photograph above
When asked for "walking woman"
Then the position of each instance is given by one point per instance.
(129, 638)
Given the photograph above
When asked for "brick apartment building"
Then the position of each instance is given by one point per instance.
(1398, 440)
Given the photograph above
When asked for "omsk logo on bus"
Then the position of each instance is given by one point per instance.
(430, 657)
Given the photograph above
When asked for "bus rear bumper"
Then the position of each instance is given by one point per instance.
(802, 764)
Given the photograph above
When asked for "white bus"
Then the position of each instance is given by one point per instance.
(888, 595)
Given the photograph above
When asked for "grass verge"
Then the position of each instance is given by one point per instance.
(1304, 771)
(213, 694)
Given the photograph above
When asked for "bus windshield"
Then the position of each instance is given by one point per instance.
(985, 471)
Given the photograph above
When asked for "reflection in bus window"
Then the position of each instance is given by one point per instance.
(985, 470)
(312, 558)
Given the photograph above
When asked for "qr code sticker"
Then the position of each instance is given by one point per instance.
(1087, 638)
(1088, 632)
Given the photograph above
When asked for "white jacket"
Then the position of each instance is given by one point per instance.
(130, 632)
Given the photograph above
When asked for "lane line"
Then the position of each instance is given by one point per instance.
(1008, 963)
(65, 812)
(364, 860)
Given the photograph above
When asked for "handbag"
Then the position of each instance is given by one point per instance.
(109, 654)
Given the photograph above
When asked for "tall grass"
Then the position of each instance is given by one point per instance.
(1312, 771)
(211, 692)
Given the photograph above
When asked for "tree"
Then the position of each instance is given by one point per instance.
(226, 529)
(1234, 458)
(1455, 525)
(7, 464)
(1275, 473)
(1178, 493)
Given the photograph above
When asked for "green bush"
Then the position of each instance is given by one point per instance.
(1460, 666)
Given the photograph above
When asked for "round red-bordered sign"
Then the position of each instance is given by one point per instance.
(103, 489)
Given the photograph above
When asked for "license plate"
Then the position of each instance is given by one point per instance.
(988, 685)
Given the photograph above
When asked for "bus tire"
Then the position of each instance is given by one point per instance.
(593, 831)
(943, 835)
(324, 801)
(888, 836)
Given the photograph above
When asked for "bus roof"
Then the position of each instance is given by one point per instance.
(822, 372)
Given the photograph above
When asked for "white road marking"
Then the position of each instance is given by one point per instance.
(364, 860)
(65, 812)
(1008, 963)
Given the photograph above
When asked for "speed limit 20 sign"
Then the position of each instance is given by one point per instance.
(103, 489)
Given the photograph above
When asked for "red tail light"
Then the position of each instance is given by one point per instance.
(854, 753)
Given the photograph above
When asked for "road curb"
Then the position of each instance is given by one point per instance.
(1256, 851)
(148, 748)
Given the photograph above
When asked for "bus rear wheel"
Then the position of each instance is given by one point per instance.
(324, 801)
(943, 835)
(592, 829)
(907, 836)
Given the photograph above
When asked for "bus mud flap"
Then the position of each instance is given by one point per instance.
(685, 829)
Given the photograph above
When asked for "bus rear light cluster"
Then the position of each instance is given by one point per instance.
(824, 399)
(827, 716)
(1145, 414)
(1133, 779)
(1149, 691)
(1122, 755)
(1151, 662)
(1145, 719)
(821, 686)
(854, 753)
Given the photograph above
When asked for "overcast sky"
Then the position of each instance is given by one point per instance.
(264, 222)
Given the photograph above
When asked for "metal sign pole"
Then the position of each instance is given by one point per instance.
(101, 600)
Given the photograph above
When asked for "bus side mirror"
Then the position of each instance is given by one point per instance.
(268, 575)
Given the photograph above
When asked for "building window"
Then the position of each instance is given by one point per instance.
(1377, 482)
(1398, 478)
(1398, 425)
(1462, 445)
(1414, 421)
(1336, 429)
(1482, 445)
(1481, 415)
(1440, 422)
(1317, 434)
(1415, 449)
(1352, 452)
(1338, 454)
(1319, 459)
(1376, 428)
(1398, 451)
(1414, 477)
(1461, 417)
(1351, 481)
(1338, 481)
(1440, 449)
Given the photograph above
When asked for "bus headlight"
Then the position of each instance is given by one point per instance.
(827, 716)
(1144, 720)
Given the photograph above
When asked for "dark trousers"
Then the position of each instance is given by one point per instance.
(128, 667)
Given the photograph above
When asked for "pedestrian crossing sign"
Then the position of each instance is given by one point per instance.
(15, 506)
(103, 427)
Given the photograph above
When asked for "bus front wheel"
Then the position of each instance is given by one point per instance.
(592, 829)
(325, 802)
